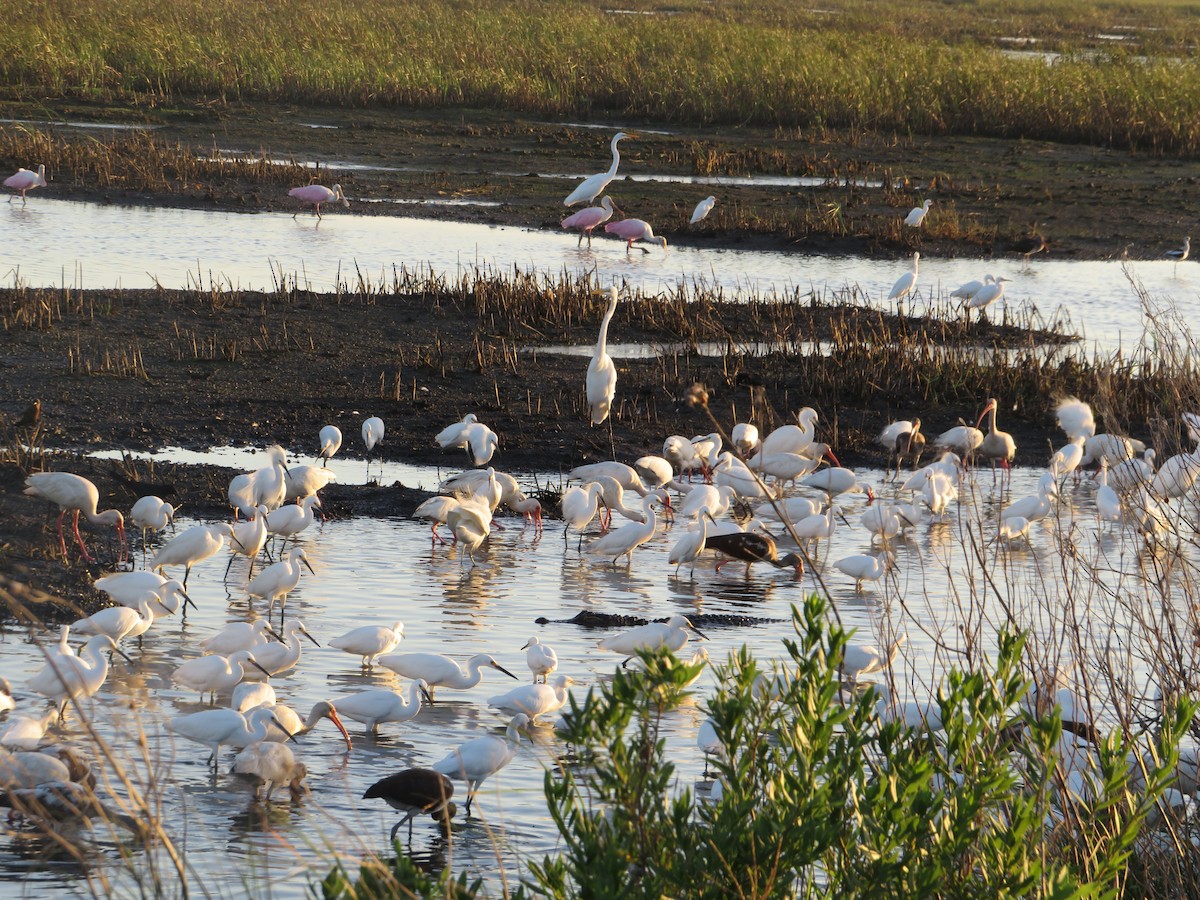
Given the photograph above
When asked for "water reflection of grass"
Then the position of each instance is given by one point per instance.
(929, 68)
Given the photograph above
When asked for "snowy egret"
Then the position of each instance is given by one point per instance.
(988, 294)
(534, 699)
(860, 660)
(588, 218)
(237, 636)
(192, 546)
(442, 671)
(25, 180)
(120, 622)
(277, 580)
(1036, 506)
(1075, 418)
(151, 514)
(290, 520)
(630, 230)
(745, 438)
(601, 373)
(628, 538)
(27, 769)
(25, 732)
(689, 547)
(272, 765)
(709, 743)
(865, 566)
(905, 283)
(714, 500)
(1013, 529)
(304, 481)
(592, 187)
(6, 697)
(330, 438)
(703, 208)
(75, 494)
(579, 507)
(671, 634)
(375, 708)
(64, 678)
(214, 727)
(475, 760)
(248, 540)
(540, 657)
(471, 523)
(128, 588)
(215, 673)
(1108, 502)
(372, 434)
(369, 641)
(274, 658)
(917, 215)
(415, 792)
(316, 194)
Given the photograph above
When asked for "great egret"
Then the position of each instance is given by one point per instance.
(703, 208)
(918, 214)
(601, 373)
(594, 186)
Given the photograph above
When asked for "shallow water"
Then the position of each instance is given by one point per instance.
(56, 242)
(380, 570)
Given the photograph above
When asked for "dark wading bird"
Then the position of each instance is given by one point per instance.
(752, 547)
(414, 792)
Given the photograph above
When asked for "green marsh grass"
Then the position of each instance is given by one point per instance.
(919, 67)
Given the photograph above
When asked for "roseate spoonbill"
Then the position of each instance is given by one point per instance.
(369, 641)
(25, 180)
(214, 727)
(475, 760)
(630, 230)
(601, 373)
(75, 494)
(671, 634)
(917, 215)
(215, 673)
(316, 194)
(414, 792)
(442, 671)
(451, 437)
(541, 658)
(703, 208)
(589, 217)
(271, 764)
(192, 546)
(905, 283)
(293, 725)
(751, 547)
(1178, 255)
(534, 699)
(593, 187)
(380, 707)
(331, 441)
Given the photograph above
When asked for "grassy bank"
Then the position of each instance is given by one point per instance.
(929, 68)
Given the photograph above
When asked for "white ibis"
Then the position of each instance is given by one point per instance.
(534, 699)
(540, 657)
(75, 494)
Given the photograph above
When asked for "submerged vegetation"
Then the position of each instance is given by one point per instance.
(1124, 75)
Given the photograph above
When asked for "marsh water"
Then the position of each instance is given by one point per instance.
(383, 570)
(68, 243)
(949, 570)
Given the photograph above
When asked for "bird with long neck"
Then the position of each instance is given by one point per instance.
(601, 373)
(998, 446)
(73, 493)
(593, 187)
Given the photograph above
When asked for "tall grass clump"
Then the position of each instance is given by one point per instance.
(934, 72)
